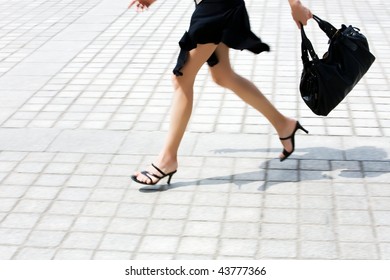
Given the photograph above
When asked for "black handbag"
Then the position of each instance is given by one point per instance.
(326, 81)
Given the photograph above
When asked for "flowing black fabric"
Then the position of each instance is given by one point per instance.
(216, 21)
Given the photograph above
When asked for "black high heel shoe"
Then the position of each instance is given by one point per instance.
(150, 175)
(292, 137)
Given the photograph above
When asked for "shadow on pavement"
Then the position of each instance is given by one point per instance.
(312, 164)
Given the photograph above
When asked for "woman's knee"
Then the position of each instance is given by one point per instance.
(175, 81)
(182, 83)
(222, 78)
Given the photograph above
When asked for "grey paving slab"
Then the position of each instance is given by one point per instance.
(94, 141)
(26, 139)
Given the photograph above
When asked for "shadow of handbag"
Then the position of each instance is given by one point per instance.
(326, 81)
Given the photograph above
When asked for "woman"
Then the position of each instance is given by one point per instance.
(216, 26)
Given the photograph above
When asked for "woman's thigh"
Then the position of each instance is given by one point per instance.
(196, 58)
(221, 72)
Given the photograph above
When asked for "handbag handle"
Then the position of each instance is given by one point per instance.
(328, 28)
(307, 47)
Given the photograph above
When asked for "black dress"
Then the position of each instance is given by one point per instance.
(216, 21)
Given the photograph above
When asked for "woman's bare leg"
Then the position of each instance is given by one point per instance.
(224, 75)
(180, 111)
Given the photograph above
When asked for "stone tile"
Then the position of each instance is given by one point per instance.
(118, 170)
(12, 156)
(127, 226)
(21, 221)
(278, 249)
(26, 139)
(45, 238)
(317, 233)
(358, 251)
(180, 198)
(74, 194)
(353, 189)
(90, 169)
(30, 167)
(385, 251)
(119, 242)
(82, 240)
(111, 195)
(55, 222)
(91, 224)
(73, 254)
(83, 181)
(127, 210)
(355, 233)
(310, 188)
(380, 203)
(24, 179)
(165, 227)
(102, 209)
(239, 247)
(112, 255)
(52, 180)
(202, 229)
(382, 218)
(245, 200)
(352, 217)
(280, 201)
(198, 245)
(274, 215)
(159, 244)
(86, 141)
(154, 256)
(116, 182)
(7, 166)
(383, 233)
(68, 157)
(60, 168)
(279, 231)
(316, 216)
(6, 252)
(318, 250)
(241, 214)
(35, 254)
(13, 236)
(66, 207)
(6, 204)
(316, 202)
(40, 193)
(378, 190)
(170, 212)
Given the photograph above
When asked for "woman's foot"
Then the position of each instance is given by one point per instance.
(155, 173)
(287, 137)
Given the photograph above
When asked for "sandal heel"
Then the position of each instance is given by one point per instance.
(292, 137)
(170, 177)
(302, 128)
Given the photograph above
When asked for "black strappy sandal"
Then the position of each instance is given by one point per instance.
(292, 137)
(150, 175)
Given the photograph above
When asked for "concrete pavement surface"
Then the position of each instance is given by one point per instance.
(85, 91)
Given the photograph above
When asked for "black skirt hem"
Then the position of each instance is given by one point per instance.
(219, 21)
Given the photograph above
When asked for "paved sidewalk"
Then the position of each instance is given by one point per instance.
(85, 92)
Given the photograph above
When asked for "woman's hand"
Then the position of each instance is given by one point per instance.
(141, 5)
(299, 12)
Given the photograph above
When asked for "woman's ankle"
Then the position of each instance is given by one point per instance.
(167, 163)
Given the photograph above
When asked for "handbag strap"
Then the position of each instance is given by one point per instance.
(328, 28)
(307, 47)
